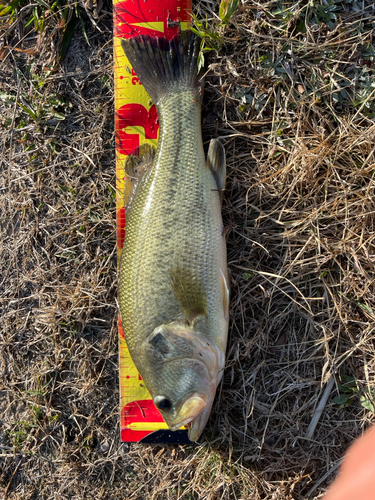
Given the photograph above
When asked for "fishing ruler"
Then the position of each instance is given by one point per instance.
(136, 123)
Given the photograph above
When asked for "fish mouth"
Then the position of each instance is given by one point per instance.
(198, 424)
(194, 414)
(189, 411)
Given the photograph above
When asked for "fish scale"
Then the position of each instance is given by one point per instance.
(168, 209)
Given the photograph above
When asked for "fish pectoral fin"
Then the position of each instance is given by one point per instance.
(161, 344)
(217, 163)
(189, 293)
(135, 168)
(169, 342)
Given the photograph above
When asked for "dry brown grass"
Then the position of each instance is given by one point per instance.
(299, 214)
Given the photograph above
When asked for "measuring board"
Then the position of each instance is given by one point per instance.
(136, 123)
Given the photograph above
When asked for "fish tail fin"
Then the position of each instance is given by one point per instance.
(161, 64)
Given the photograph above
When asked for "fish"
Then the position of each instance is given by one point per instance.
(173, 282)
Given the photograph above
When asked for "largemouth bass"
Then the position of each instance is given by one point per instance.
(174, 288)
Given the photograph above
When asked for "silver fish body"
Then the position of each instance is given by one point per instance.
(174, 290)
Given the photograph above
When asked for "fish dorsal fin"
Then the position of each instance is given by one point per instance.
(189, 293)
(217, 163)
(135, 168)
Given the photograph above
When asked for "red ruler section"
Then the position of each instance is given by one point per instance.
(136, 123)
(152, 17)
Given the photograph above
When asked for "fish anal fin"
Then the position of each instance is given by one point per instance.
(135, 168)
(217, 163)
(189, 294)
(226, 293)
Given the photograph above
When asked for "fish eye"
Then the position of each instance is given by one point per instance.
(162, 403)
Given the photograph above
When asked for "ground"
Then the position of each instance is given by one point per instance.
(290, 94)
